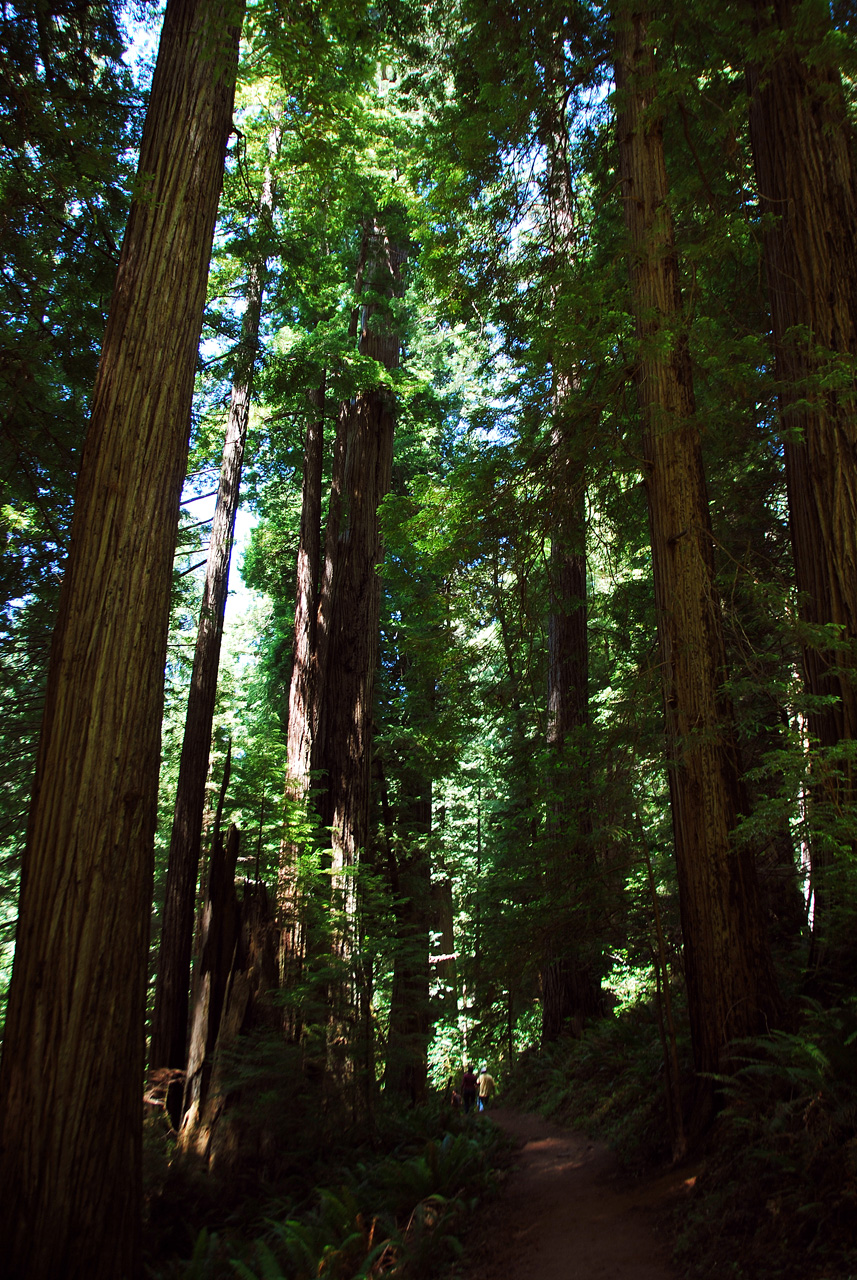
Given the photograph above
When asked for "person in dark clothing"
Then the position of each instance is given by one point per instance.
(469, 1085)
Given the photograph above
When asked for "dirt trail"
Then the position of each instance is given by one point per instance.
(564, 1215)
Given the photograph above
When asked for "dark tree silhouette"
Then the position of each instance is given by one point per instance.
(74, 1045)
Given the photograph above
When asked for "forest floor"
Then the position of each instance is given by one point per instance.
(569, 1212)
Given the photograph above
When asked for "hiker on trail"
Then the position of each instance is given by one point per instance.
(468, 1089)
(486, 1089)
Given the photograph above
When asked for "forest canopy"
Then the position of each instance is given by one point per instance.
(520, 341)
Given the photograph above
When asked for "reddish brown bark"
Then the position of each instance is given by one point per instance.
(219, 935)
(313, 610)
(235, 969)
(301, 694)
(348, 674)
(168, 1043)
(302, 689)
(731, 987)
(343, 743)
(804, 157)
(169, 1020)
(324, 606)
(74, 1045)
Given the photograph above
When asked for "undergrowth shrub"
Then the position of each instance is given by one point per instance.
(778, 1194)
(392, 1212)
(610, 1082)
(395, 1215)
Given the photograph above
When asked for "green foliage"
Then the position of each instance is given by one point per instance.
(336, 1241)
(393, 1209)
(417, 1200)
(778, 1194)
(610, 1083)
(451, 146)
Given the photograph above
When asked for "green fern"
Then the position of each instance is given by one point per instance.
(269, 1266)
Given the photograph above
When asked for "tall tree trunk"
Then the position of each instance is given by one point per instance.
(73, 1055)
(731, 986)
(219, 936)
(234, 970)
(168, 1044)
(313, 607)
(804, 157)
(302, 689)
(571, 988)
(571, 979)
(406, 1072)
(343, 742)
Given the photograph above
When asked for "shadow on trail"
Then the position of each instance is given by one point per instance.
(564, 1216)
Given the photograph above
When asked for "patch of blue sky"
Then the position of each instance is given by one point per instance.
(140, 26)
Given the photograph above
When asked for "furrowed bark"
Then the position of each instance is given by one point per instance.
(804, 159)
(347, 679)
(313, 609)
(302, 689)
(219, 935)
(73, 1056)
(168, 1043)
(731, 986)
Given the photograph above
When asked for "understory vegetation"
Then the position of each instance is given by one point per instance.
(395, 1204)
(771, 1193)
(507, 353)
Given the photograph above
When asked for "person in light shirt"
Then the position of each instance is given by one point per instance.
(486, 1089)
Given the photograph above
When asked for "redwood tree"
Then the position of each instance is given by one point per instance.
(803, 150)
(304, 680)
(343, 743)
(168, 1044)
(730, 981)
(406, 1072)
(70, 1085)
(571, 990)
